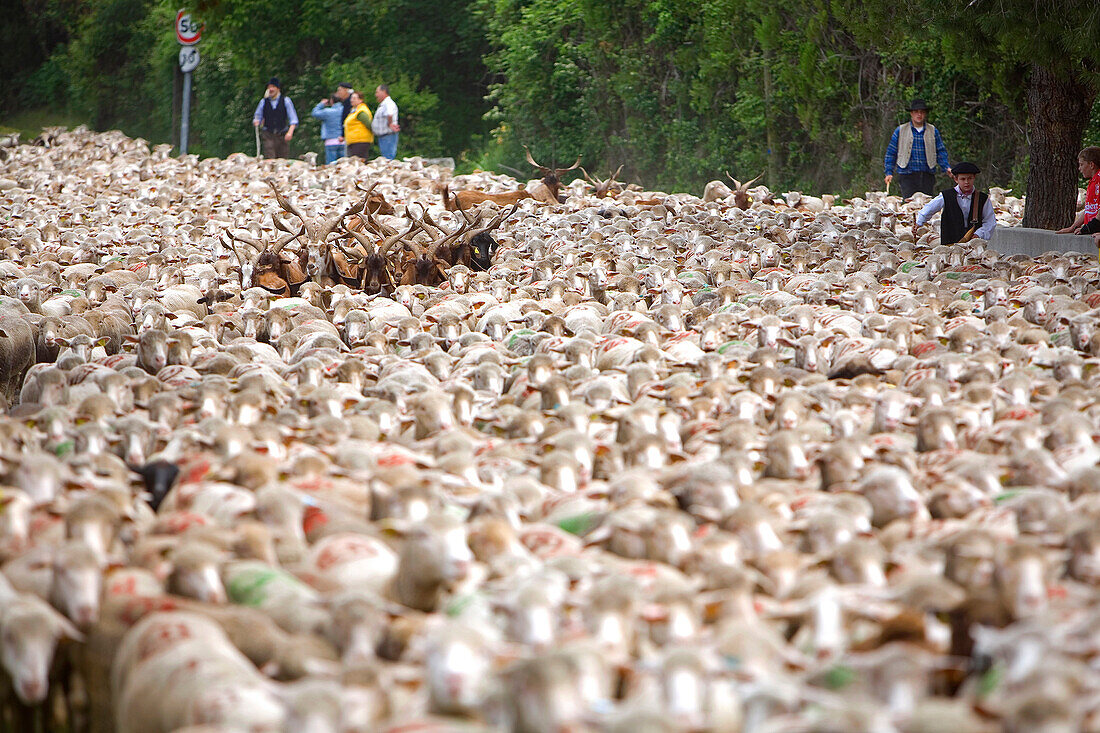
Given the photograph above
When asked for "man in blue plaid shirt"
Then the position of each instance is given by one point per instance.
(912, 146)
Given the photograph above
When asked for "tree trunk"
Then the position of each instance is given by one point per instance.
(1058, 107)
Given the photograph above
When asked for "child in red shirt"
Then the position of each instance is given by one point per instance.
(1087, 222)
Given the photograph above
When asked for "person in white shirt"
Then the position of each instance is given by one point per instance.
(966, 212)
(384, 126)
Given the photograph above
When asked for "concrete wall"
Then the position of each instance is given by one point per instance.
(1034, 242)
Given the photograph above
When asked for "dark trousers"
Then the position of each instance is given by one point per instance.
(359, 150)
(910, 183)
(275, 144)
(1092, 226)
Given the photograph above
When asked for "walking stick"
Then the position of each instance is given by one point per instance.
(257, 131)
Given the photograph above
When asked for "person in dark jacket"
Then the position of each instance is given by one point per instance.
(277, 119)
(965, 210)
(343, 93)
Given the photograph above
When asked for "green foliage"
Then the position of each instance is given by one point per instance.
(113, 63)
(677, 90)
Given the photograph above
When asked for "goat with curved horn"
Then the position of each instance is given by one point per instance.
(741, 193)
(603, 188)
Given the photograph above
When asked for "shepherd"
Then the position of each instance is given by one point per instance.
(967, 213)
(914, 151)
(276, 119)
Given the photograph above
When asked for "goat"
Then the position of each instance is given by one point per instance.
(268, 270)
(550, 191)
(375, 274)
(316, 233)
(603, 188)
(476, 251)
(741, 193)
(468, 198)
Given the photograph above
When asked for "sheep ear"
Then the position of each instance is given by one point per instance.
(66, 627)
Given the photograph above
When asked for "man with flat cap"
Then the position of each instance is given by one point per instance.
(914, 151)
(277, 120)
(967, 213)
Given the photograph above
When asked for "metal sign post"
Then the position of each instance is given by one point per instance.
(188, 33)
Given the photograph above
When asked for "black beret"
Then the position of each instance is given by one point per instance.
(345, 85)
(965, 168)
(274, 81)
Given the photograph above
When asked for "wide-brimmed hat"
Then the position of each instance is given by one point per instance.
(274, 82)
(965, 167)
(918, 104)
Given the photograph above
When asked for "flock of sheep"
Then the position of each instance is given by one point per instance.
(731, 463)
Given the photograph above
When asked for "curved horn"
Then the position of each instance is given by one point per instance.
(281, 224)
(427, 219)
(745, 186)
(353, 256)
(368, 246)
(237, 252)
(576, 165)
(333, 221)
(382, 229)
(532, 160)
(256, 244)
(278, 247)
(615, 174)
(736, 182)
(589, 178)
(463, 212)
(384, 246)
(368, 189)
(497, 220)
(457, 205)
(283, 201)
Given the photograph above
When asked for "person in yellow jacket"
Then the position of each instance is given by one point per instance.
(357, 132)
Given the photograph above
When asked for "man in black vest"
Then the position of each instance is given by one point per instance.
(966, 213)
(277, 120)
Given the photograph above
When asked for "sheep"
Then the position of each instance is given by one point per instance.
(537, 488)
(17, 349)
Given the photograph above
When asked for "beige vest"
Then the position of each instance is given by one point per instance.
(905, 144)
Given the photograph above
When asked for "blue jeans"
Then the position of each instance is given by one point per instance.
(387, 145)
(333, 153)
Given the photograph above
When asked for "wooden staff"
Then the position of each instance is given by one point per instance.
(974, 224)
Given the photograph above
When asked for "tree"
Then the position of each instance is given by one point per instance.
(1046, 50)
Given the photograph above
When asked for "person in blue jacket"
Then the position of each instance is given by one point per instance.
(331, 114)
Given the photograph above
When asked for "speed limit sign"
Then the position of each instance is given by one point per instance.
(188, 32)
(189, 58)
